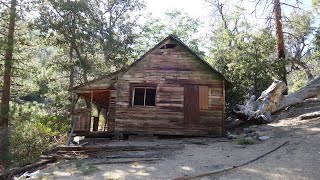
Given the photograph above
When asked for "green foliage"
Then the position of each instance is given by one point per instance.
(89, 169)
(297, 80)
(316, 3)
(28, 140)
(248, 62)
(94, 38)
(244, 140)
(32, 132)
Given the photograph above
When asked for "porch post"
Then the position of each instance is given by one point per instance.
(73, 121)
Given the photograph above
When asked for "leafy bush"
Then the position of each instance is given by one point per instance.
(244, 140)
(28, 140)
(32, 132)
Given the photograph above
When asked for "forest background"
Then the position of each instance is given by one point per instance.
(49, 46)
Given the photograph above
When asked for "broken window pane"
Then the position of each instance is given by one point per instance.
(150, 97)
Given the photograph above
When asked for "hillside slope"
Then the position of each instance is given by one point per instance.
(300, 159)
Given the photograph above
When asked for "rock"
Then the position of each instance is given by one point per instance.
(231, 136)
(263, 129)
(263, 138)
(253, 128)
(246, 130)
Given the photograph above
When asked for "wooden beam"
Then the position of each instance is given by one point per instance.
(223, 108)
(93, 90)
(73, 126)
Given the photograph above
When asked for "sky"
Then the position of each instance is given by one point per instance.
(199, 9)
(195, 8)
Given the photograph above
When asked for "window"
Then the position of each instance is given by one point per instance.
(144, 96)
(168, 46)
(203, 97)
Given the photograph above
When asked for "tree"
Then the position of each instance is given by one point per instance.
(243, 55)
(114, 27)
(65, 21)
(90, 29)
(173, 22)
(297, 33)
(8, 61)
(279, 37)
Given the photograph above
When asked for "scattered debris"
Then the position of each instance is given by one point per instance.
(30, 175)
(263, 138)
(42, 162)
(231, 136)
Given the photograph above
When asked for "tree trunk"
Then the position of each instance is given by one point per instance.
(4, 117)
(272, 100)
(279, 37)
(71, 75)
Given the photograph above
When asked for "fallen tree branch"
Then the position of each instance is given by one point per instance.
(310, 115)
(40, 163)
(231, 167)
(273, 100)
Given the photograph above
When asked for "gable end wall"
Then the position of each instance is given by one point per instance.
(169, 69)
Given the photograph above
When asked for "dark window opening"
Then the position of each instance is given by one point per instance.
(144, 96)
(138, 96)
(150, 97)
(168, 46)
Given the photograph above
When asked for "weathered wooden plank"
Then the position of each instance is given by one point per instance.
(170, 70)
(223, 108)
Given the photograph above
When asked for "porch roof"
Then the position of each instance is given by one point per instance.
(97, 91)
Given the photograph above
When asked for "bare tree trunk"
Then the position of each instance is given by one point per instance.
(280, 40)
(71, 75)
(4, 118)
(272, 100)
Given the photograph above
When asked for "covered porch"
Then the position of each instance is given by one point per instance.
(93, 108)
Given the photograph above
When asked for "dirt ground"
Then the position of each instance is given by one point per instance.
(298, 159)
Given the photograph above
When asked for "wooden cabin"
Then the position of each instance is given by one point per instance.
(170, 90)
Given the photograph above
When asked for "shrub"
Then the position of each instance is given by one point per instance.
(27, 141)
(32, 132)
(244, 140)
(89, 169)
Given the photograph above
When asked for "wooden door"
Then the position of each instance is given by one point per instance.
(83, 118)
(191, 105)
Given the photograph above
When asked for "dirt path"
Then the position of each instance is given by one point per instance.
(299, 159)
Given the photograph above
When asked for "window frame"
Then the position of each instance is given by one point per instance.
(145, 87)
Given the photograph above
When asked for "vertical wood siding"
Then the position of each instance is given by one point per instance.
(170, 70)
